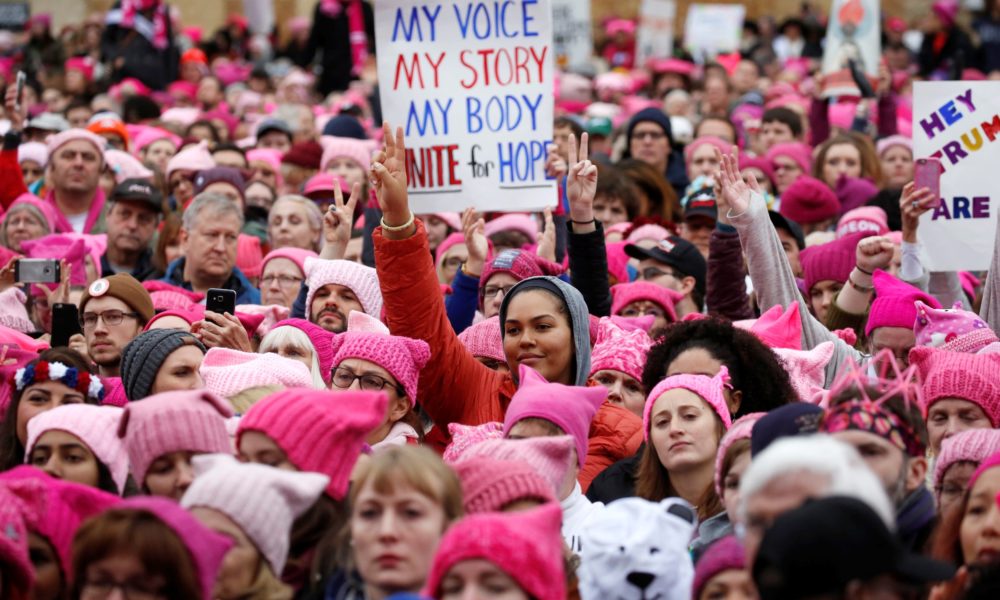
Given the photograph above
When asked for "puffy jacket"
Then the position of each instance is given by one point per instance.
(615, 433)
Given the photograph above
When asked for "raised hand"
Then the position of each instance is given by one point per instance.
(16, 114)
(581, 185)
(547, 242)
(912, 204)
(338, 222)
(388, 173)
(555, 166)
(874, 252)
(474, 230)
(734, 193)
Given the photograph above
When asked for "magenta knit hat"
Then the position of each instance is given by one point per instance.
(777, 327)
(490, 484)
(95, 426)
(484, 340)
(207, 548)
(320, 431)
(951, 329)
(618, 350)
(723, 555)
(739, 430)
(864, 218)
(971, 377)
(971, 445)
(757, 162)
(14, 312)
(550, 457)
(296, 255)
(797, 151)
(60, 246)
(569, 407)
(854, 192)
(228, 372)
(191, 421)
(514, 222)
(710, 389)
(322, 342)
(520, 265)
(464, 437)
(368, 339)
(171, 297)
(262, 500)
(360, 151)
(449, 242)
(988, 463)
(617, 259)
(527, 546)
(249, 254)
(624, 294)
(193, 158)
(894, 304)
(724, 147)
(14, 545)
(832, 261)
(148, 135)
(361, 280)
(809, 200)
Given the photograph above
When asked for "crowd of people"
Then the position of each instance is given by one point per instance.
(716, 367)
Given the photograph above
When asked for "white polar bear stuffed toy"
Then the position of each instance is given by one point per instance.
(638, 550)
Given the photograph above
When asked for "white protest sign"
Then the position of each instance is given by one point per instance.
(959, 122)
(572, 35)
(470, 82)
(712, 29)
(854, 33)
(655, 36)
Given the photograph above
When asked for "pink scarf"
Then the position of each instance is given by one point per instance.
(356, 29)
(62, 224)
(131, 7)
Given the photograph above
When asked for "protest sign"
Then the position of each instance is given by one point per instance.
(959, 123)
(655, 36)
(853, 33)
(572, 34)
(471, 84)
(712, 29)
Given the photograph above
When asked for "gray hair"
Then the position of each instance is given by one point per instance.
(214, 203)
(22, 207)
(312, 212)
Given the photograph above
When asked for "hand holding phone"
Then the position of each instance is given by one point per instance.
(21, 78)
(37, 270)
(221, 301)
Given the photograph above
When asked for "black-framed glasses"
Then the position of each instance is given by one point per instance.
(110, 318)
(491, 291)
(344, 378)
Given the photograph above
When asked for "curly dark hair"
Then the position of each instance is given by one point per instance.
(753, 368)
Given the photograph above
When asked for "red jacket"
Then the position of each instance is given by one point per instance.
(615, 433)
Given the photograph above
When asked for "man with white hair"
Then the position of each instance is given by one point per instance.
(793, 470)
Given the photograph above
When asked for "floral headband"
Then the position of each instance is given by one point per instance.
(71, 377)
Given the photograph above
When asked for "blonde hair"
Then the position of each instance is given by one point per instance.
(312, 213)
(286, 334)
(415, 466)
(267, 586)
(243, 400)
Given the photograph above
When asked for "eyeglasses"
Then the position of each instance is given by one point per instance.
(649, 135)
(282, 280)
(344, 378)
(453, 262)
(130, 590)
(110, 318)
(491, 291)
(650, 273)
(655, 311)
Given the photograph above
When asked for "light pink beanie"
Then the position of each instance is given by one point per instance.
(262, 500)
(190, 420)
(193, 158)
(710, 389)
(971, 445)
(13, 311)
(618, 350)
(484, 339)
(361, 280)
(514, 222)
(368, 339)
(739, 430)
(806, 368)
(296, 255)
(360, 151)
(228, 372)
(550, 457)
(94, 425)
(464, 437)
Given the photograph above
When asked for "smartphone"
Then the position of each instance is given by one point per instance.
(927, 174)
(21, 78)
(221, 301)
(65, 323)
(37, 270)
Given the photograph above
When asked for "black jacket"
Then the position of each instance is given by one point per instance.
(143, 271)
(141, 59)
(588, 265)
(617, 481)
(331, 36)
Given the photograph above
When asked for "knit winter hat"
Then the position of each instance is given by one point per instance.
(806, 368)
(449, 242)
(891, 142)
(971, 445)
(94, 425)
(550, 457)
(618, 350)
(307, 155)
(124, 287)
(739, 430)
(707, 140)
(464, 437)
(513, 222)
(971, 377)
(193, 158)
(322, 343)
(757, 162)
(490, 484)
(249, 254)
(571, 408)
(854, 192)
(14, 545)
(320, 431)
(360, 151)
(146, 353)
(777, 327)
(60, 139)
(35, 151)
(262, 500)
(894, 304)
(190, 420)
(723, 555)
(124, 166)
(171, 297)
(361, 280)
(946, 11)
(832, 261)
(654, 115)
(14, 312)
(809, 200)
(148, 135)
(951, 329)
(863, 218)
(484, 340)
(230, 175)
(649, 231)
(369, 339)
(60, 246)
(228, 372)
(519, 265)
(624, 294)
(527, 546)
(710, 389)
(296, 255)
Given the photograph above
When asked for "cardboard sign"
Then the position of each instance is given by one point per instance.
(712, 29)
(572, 34)
(655, 35)
(471, 84)
(854, 33)
(959, 123)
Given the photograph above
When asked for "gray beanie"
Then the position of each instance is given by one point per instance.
(143, 357)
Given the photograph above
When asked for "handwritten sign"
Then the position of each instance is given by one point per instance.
(958, 122)
(572, 34)
(655, 36)
(712, 29)
(853, 33)
(470, 81)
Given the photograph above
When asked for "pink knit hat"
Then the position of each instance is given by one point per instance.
(464, 437)
(777, 327)
(514, 222)
(322, 342)
(171, 297)
(228, 372)
(550, 457)
(193, 421)
(739, 430)
(490, 484)
(569, 407)
(193, 158)
(617, 259)
(249, 254)
(710, 140)
(95, 426)
(832, 261)
(296, 255)
(262, 500)
(187, 315)
(519, 264)
(35, 151)
(809, 200)
(723, 555)
(360, 151)
(61, 139)
(47, 209)
(757, 162)
(893, 141)
(624, 294)
(60, 246)
(972, 445)
(270, 156)
(797, 151)
(320, 431)
(952, 329)
(649, 231)
(854, 192)
(14, 312)
(971, 377)
(806, 368)
(894, 304)
(14, 546)
(710, 389)
(449, 242)
(527, 546)
(148, 135)
(864, 218)
(484, 340)
(369, 339)
(452, 219)
(125, 166)
(619, 350)
(361, 280)
(988, 463)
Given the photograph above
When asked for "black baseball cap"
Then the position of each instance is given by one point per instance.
(679, 254)
(821, 546)
(138, 190)
(780, 221)
(788, 420)
(701, 203)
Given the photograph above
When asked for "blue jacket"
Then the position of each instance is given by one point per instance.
(246, 293)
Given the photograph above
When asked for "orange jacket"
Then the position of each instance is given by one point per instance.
(615, 433)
